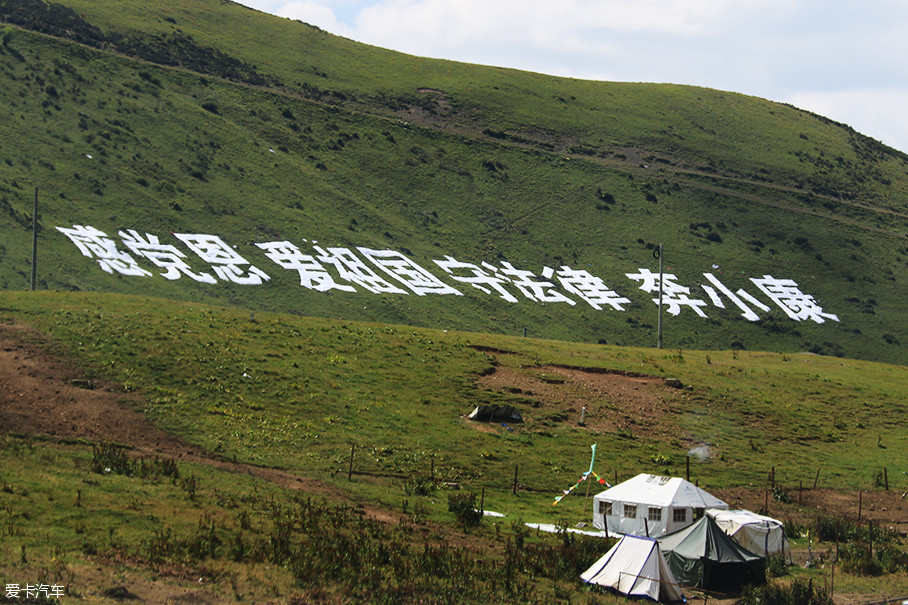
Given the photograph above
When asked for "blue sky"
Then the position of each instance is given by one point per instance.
(847, 60)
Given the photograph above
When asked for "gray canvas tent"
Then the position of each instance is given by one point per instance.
(703, 556)
(495, 413)
(635, 567)
(759, 534)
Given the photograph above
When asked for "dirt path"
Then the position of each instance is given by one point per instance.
(40, 394)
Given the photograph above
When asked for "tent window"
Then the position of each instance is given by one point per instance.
(605, 508)
(698, 512)
(655, 513)
(679, 515)
(630, 511)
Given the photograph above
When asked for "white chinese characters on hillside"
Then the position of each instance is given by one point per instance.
(389, 272)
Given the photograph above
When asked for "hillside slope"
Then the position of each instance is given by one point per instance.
(542, 198)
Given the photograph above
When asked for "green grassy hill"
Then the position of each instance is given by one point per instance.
(206, 117)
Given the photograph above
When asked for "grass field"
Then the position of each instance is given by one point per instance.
(304, 394)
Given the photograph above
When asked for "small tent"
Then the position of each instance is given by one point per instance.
(703, 556)
(759, 534)
(651, 505)
(635, 567)
(495, 413)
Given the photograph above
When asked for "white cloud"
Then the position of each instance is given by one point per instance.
(266, 6)
(313, 13)
(430, 26)
(876, 113)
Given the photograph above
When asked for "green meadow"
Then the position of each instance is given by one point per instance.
(303, 395)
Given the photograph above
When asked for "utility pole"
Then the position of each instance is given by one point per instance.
(658, 254)
(35, 242)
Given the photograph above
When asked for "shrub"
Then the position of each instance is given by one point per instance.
(463, 505)
(856, 559)
(776, 566)
(420, 486)
(892, 559)
(109, 458)
(798, 592)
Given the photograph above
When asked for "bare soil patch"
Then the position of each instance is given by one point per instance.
(614, 401)
(42, 394)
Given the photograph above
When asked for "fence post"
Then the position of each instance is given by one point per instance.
(34, 279)
(352, 451)
(515, 480)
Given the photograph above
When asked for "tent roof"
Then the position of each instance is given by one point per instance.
(737, 518)
(705, 539)
(493, 413)
(757, 533)
(655, 490)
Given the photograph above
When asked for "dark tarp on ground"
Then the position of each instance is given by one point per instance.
(496, 413)
(703, 556)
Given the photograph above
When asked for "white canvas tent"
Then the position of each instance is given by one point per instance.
(761, 535)
(635, 567)
(651, 505)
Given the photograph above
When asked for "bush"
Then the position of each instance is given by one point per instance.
(776, 566)
(108, 457)
(463, 505)
(798, 592)
(892, 559)
(856, 558)
(420, 486)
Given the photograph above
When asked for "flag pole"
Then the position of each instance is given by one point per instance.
(658, 254)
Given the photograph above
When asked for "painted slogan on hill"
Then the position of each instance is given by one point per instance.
(391, 273)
